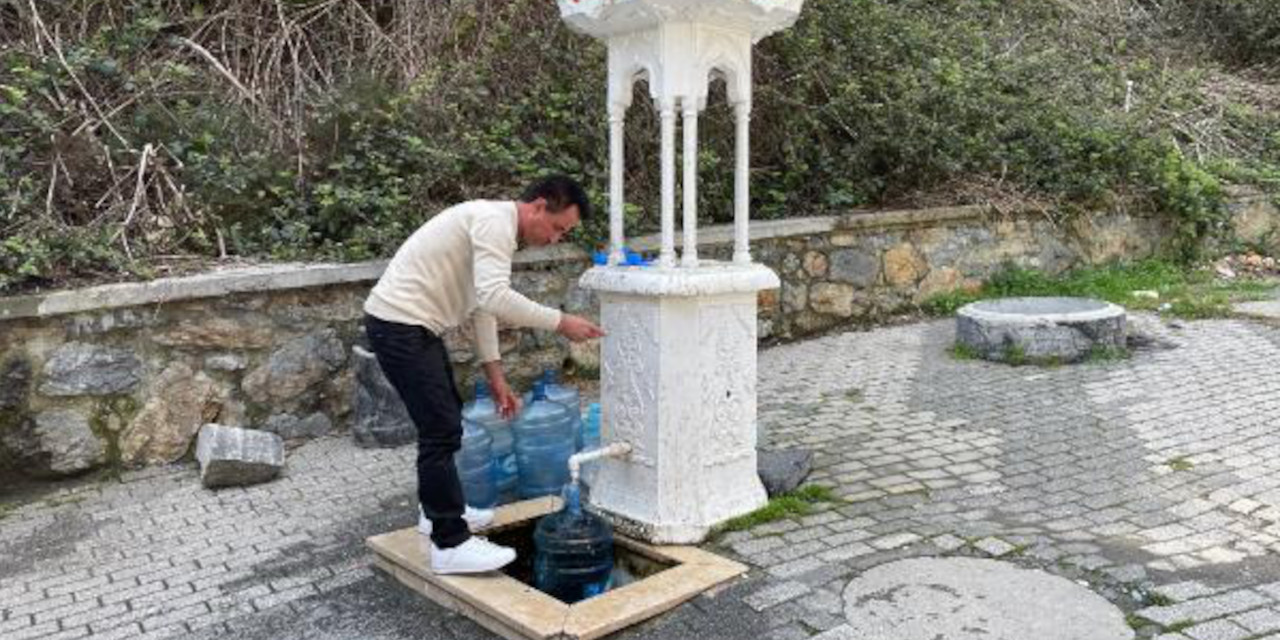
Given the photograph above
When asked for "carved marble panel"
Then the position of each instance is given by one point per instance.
(629, 376)
(728, 339)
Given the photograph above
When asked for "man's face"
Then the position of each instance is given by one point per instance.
(549, 228)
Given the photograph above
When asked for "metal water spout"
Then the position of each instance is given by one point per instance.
(617, 450)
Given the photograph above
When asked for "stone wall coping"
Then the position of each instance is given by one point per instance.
(285, 276)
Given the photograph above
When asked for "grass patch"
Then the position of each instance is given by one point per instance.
(1180, 463)
(962, 352)
(1015, 355)
(1159, 599)
(1180, 625)
(789, 505)
(1101, 354)
(1180, 292)
(1135, 621)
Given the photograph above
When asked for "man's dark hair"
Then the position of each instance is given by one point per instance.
(559, 192)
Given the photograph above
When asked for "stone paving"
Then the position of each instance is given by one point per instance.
(1154, 481)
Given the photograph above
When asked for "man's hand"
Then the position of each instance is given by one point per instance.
(577, 328)
(507, 401)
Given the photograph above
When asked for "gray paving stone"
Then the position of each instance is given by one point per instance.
(1070, 462)
(1259, 620)
(1217, 630)
(994, 546)
(776, 594)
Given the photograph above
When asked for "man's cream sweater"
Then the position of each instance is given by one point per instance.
(455, 268)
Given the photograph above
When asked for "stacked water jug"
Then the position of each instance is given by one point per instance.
(483, 413)
(545, 435)
(475, 460)
(530, 454)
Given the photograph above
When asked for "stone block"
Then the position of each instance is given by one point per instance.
(835, 299)
(857, 267)
(15, 378)
(289, 426)
(815, 264)
(180, 401)
(904, 266)
(296, 366)
(380, 417)
(230, 456)
(82, 369)
(795, 296)
(783, 470)
(56, 442)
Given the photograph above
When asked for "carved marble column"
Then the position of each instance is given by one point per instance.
(617, 115)
(689, 184)
(667, 111)
(741, 197)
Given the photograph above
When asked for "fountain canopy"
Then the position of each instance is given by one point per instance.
(679, 46)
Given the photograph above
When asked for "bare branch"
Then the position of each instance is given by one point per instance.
(220, 68)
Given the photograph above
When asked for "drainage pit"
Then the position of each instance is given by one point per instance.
(648, 580)
(632, 562)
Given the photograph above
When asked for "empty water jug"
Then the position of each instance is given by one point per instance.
(589, 436)
(573, 557)
(566, 395)
(590, 433)
(476, 467)
(544, 441)
(484, 411)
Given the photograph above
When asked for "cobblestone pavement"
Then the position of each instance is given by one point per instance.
(1155, 480)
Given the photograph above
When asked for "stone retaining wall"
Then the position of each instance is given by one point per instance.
(125, 375)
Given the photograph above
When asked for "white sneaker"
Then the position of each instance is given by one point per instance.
(476, 555)
(477, 519)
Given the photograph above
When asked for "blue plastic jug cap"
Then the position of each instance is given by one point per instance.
(482, 389)
(539, 390)
(550, 376)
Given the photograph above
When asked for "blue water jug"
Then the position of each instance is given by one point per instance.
(544, 441)
(484, 412)
(589, 437)
(566, 395)
(573, 552)
(590, 433)
(475, 466)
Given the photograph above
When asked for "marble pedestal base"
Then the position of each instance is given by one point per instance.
(678, 382)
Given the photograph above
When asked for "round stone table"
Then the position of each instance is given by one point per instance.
(1040, 329)
(974, 599)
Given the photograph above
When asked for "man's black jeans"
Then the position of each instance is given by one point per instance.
(417, 365)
